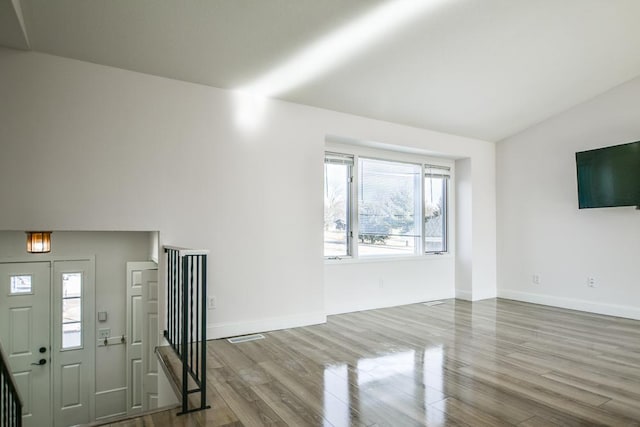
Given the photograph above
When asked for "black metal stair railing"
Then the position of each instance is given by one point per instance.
(186, 320)
(10, 403)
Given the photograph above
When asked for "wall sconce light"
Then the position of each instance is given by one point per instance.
(38, 242)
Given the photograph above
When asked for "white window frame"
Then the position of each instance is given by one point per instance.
(348, 158)
(444, 172)
(396, 157)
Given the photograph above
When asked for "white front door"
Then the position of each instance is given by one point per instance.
(24, 332)
(73, 342)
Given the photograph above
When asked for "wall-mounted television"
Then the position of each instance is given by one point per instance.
(609, 176)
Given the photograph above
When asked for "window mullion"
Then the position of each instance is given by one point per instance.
(445, 207)
(353, 207)
(423, 211)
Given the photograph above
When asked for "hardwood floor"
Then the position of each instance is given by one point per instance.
(488, 363)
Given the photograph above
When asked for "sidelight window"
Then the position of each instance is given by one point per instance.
(71, 310)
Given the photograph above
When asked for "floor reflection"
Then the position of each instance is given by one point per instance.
(336, 396)
(433, 367)
(405, 383)
(383, 367)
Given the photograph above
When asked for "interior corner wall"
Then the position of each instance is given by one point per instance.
(542, 232)
(464, 225)
(483, 233)
(110, 149)
(476, 271)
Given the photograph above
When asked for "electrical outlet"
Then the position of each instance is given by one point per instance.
(535, 279)
(104, 333)
(211, 303)
(591, 282)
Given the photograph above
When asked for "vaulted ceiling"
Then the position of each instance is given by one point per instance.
(484, 69)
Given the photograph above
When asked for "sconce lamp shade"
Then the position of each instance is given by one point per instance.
(38, 242)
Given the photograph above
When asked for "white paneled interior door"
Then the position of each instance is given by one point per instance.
(138, 326)
(24, 333)
(73, 342)
(150, 336)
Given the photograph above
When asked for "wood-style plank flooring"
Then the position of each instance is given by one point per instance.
(488, 363)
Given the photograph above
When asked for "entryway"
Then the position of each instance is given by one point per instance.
(86, 309)
(47, 330)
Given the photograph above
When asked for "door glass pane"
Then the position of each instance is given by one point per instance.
(21, 284)
(71, 285)
(71, 335)
(71, 310)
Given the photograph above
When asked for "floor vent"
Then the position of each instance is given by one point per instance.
(432, 303)
(245, 338)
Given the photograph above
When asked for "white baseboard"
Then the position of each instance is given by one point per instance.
(626, 311)
(232, 329)
(374, 304)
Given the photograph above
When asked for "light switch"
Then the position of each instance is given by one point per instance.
(102, 316)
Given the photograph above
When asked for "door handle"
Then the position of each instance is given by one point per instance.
(40, 362)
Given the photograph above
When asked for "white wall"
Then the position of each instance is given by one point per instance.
(112, 250)
(109, 149)
(363, 285)
(540, 229)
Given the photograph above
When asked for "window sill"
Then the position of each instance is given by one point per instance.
(397, 258)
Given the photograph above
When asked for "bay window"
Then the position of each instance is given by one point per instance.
(383, 207)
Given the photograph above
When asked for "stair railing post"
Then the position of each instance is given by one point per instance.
(203, 337)
(185, 336)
